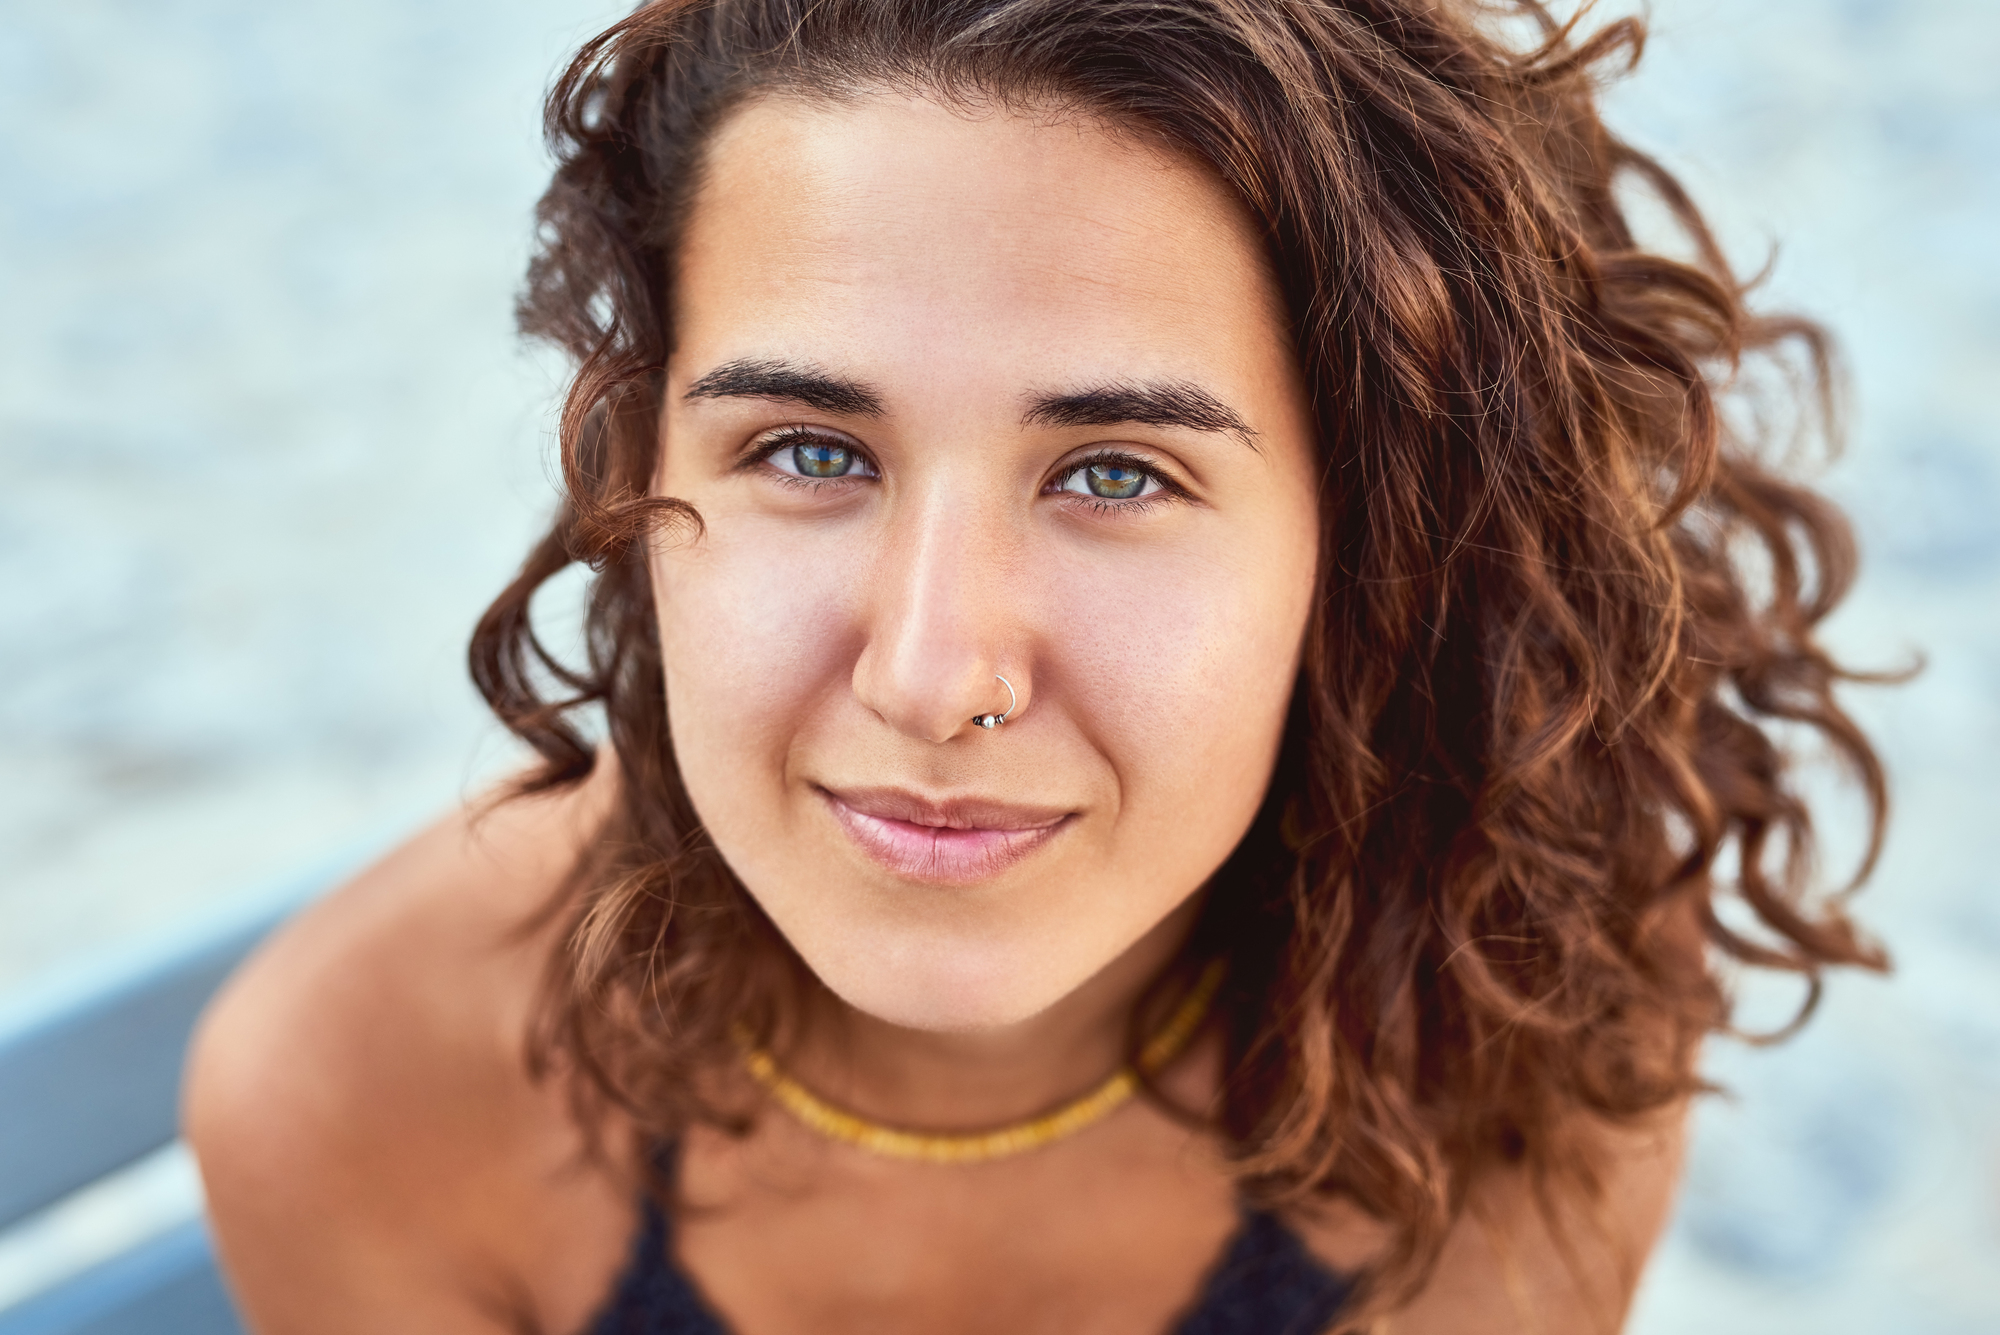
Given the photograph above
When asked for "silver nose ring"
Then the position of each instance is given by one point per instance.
(990, 721)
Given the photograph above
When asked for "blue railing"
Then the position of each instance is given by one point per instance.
(89, 1084)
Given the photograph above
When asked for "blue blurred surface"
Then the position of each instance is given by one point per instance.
(267, 445)
(168, 1285)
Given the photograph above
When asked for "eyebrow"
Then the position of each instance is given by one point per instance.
(792, 382)
(1179, 403)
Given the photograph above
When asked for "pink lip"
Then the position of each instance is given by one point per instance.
(953, 842)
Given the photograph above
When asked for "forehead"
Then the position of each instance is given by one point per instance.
(933, 232)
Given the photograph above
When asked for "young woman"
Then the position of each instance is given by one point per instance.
(1174, 548)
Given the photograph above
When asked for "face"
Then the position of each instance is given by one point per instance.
(963, 397)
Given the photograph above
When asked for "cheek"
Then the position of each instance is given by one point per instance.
(752, 637)
(1187, 690)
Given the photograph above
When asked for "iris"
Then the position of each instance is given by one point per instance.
(1114, 481)
(822, 458)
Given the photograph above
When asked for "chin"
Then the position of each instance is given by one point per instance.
(945, 988)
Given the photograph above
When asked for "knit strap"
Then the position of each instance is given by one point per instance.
(655, 1296)
(1266, 1283)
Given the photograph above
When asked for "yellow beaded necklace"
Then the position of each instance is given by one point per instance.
(1000, 1142)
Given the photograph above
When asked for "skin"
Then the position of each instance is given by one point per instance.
(960, 268)
(928, 289)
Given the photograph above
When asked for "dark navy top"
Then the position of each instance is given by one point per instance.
(1266, 1283)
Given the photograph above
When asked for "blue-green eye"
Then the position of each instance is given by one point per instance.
(822, 458)
(1112, 480)
(1115, 482)
(817, 456)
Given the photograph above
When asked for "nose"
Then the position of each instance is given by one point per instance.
(943, 617)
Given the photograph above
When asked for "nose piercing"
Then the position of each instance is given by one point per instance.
(989, 720)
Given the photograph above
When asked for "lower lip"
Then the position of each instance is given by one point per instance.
(936, 854)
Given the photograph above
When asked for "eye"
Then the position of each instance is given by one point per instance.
(816, 456)
(1113, 479)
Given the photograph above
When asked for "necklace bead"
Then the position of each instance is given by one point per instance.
(961, 1147)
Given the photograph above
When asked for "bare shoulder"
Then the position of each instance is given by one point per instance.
(374, 1151)
(1507, 1269)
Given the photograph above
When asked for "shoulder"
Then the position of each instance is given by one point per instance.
(358, 1100)
(1512, 1266)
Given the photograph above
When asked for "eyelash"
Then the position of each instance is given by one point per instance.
(1170, 492)
(785, 438)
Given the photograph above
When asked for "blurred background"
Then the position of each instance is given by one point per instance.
(268, 444)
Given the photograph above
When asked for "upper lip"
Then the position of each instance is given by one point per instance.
(953, 813)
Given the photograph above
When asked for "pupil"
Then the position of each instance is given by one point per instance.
(822, 460)
(1114, 481)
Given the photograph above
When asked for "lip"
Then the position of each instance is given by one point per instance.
(953, 841)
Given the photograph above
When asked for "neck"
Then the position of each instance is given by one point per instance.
(972, 1081)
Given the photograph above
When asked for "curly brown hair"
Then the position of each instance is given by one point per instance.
(1565, 613)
